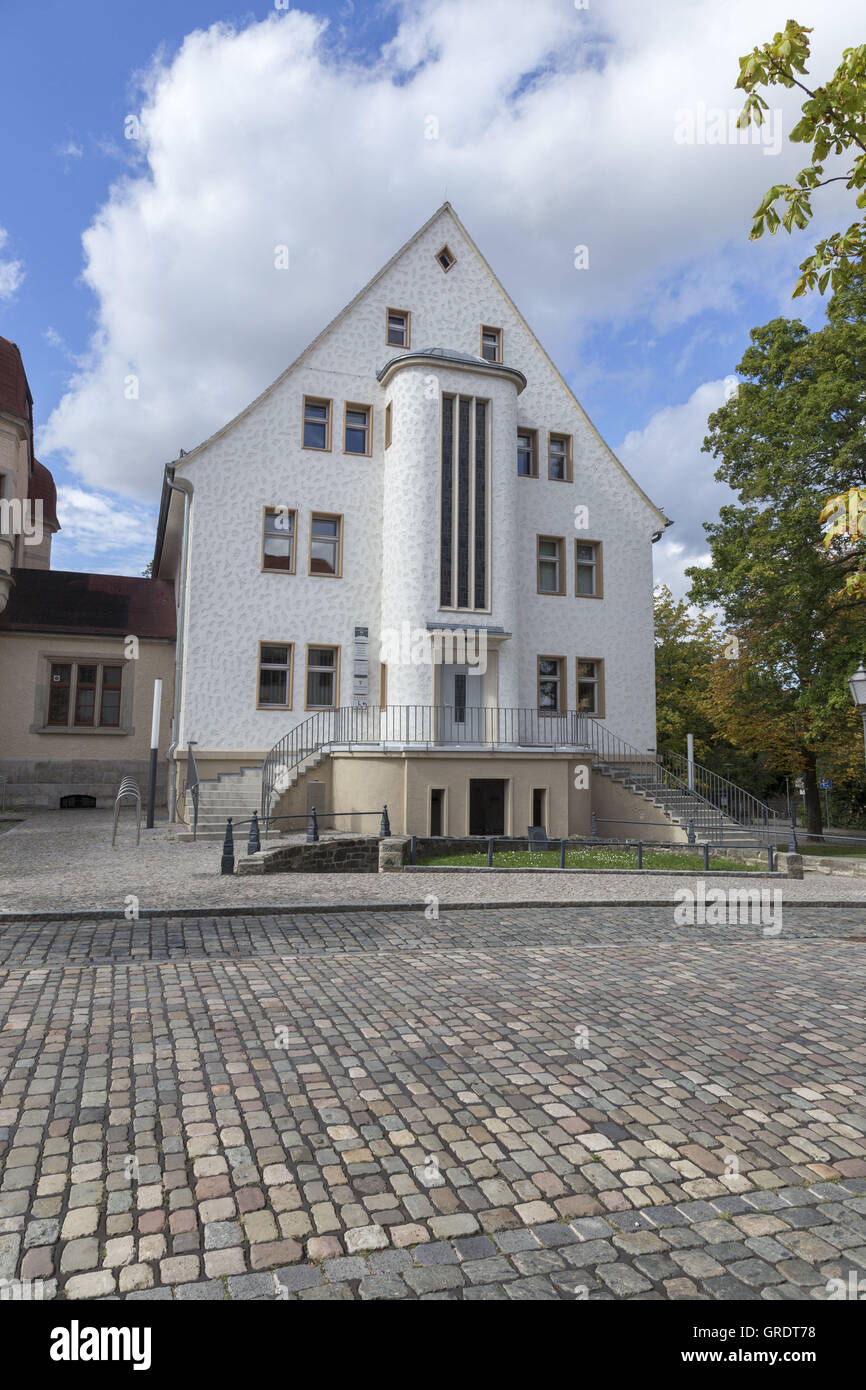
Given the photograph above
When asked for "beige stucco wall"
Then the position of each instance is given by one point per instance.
(42, 766)
(611, 800)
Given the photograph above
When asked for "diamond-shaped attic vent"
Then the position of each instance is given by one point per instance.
(446, 258)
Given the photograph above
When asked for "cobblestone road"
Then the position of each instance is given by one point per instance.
(533, 1104)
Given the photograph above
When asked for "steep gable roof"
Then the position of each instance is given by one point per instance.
(445, 210)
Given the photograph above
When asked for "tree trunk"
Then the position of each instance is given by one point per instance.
(814, 822)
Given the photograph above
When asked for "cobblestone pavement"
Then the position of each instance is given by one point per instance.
(65, 858)
(529, 1104)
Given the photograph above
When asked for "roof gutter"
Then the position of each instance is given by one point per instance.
(184, 487)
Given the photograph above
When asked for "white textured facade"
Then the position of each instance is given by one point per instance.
(390, 504)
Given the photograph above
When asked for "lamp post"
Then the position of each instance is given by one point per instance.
(857, 686)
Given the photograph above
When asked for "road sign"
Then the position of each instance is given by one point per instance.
(825, 783)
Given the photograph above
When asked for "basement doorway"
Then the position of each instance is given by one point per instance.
(486, 806)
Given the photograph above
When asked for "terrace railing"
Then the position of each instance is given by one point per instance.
(417, 726)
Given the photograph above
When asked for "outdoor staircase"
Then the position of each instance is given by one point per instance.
(235, 794)
(681, 806)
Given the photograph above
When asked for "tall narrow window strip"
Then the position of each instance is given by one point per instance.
(389, 412)
(479, 597)
(447, 504)
(463, 503)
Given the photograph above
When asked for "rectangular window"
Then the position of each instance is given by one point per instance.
(357, 430)
(590, 686)
(84, 695)
(551, 684)
(587, 568)
(383, 684)
(527, 453)
(388, 417)
(275, 675)
(559, 458)
(58, 695)
(109, 703)
(317, 423)
(551, 569)
(326, 534)
(278, 539)
(491, 344)
(397, 326)
(322, 677)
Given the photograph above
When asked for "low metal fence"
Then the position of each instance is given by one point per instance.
(254, 842)
(563, 846)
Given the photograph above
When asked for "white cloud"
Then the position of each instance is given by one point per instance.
(11, 272)
(97, 524)
(272, 134)
(665, 458)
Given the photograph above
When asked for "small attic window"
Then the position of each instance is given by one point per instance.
(446, 258)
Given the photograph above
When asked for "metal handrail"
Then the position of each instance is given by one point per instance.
(733, 801)
(707, 799)
(191, 787)
(427, 726)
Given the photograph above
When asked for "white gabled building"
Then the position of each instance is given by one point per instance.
(412, 572)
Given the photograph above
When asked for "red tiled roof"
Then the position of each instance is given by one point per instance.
(42, 488)
(14, 392)
(107, 605)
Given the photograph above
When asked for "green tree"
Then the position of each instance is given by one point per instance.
(793, 433)
(687, 644)
(834, 124)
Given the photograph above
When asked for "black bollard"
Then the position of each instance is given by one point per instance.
(385, 826)
(593, 826)
(312, 827)
(690, 832)
(254, 843)
(490, 854)
(228, 860)
(640, 854)
(792, 834)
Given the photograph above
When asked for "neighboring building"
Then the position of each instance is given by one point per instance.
(75, 691)
(421, 469)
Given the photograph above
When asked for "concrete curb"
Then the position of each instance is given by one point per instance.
(314, 909)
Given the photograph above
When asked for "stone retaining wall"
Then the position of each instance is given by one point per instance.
(349, 856)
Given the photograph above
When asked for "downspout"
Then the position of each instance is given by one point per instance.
(184, 487)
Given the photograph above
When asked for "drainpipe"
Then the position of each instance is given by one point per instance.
(184, 487)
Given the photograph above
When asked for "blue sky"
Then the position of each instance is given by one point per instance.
(143, 251)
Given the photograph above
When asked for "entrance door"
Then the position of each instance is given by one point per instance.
(486, 806)
(461, 698)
